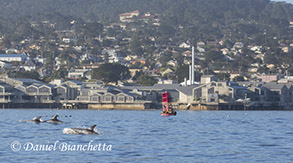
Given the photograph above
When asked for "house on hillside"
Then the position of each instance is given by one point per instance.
(13, 57)
(268, 78)
(77, 73)
(128, 16)
(184, 45)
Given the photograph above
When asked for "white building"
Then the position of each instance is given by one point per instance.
(13, 57)
(68, 40)
(113, 56)
(184, 45)
(77, 73)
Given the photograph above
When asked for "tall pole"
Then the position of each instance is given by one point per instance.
(192, 67)
(190, 75)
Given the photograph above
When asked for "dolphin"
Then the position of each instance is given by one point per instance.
(35, 120)
(54, 120)
(81, 131)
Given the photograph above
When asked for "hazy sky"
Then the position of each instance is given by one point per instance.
(289, 1)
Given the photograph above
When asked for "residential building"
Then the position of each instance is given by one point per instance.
(77, 73)
(13, 57)
(269, 78)
(128, 16)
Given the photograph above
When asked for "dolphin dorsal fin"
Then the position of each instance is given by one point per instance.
(92, 127)
(55, 117)
(37, 118)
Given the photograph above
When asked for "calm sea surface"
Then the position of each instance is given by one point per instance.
(145, 136)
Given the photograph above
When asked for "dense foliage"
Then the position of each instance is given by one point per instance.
(111, 72)
(251, 22)
(146, 80)
(201, 19)
(24, 74)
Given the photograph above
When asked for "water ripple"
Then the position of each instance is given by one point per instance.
(145, 136)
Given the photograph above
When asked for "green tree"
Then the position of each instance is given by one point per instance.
(92, 29)
(165, 57)
(111, 72)
(182, 72)
(146, 80)
(25, 74)
(212, 56)
(239, 78)
(59, 74)
(165, 29)
(135, 44)
(223, 76)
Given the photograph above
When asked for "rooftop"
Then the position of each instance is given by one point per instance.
(12, 55)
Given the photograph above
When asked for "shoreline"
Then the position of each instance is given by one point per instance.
(139, 106)
(115, 109)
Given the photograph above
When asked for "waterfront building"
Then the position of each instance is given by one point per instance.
(32, 90)
(9, 94)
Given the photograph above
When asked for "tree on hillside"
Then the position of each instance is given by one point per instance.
(24, 74)
(165, 57)
(212, 56)
(111, 72)
(135, 44)
(239, 78)
(92, 29)
(182, 72)
(146, 80)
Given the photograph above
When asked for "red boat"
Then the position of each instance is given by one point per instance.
(167, 107)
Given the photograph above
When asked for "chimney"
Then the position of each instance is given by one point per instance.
(190, 75)
(192, 67)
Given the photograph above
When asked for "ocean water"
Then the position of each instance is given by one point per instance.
(145, 136)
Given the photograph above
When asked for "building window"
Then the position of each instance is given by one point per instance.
(44, 90)
(211, 91)
(61, 91)
(108, 98)
(130, 99)
(121, 98)
(44, 98)
(32, 90)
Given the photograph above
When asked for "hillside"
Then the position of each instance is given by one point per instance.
(103, 10)
(201, 19)
(230, 28)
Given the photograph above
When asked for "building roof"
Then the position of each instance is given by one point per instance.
(273, 85)
(289, 85)
(128, 13)
(178, 87)
(75, 82)
(187, 90)
(11, 55)
(28, 82)
(207, 76)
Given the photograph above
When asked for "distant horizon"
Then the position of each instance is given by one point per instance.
(288, 1)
